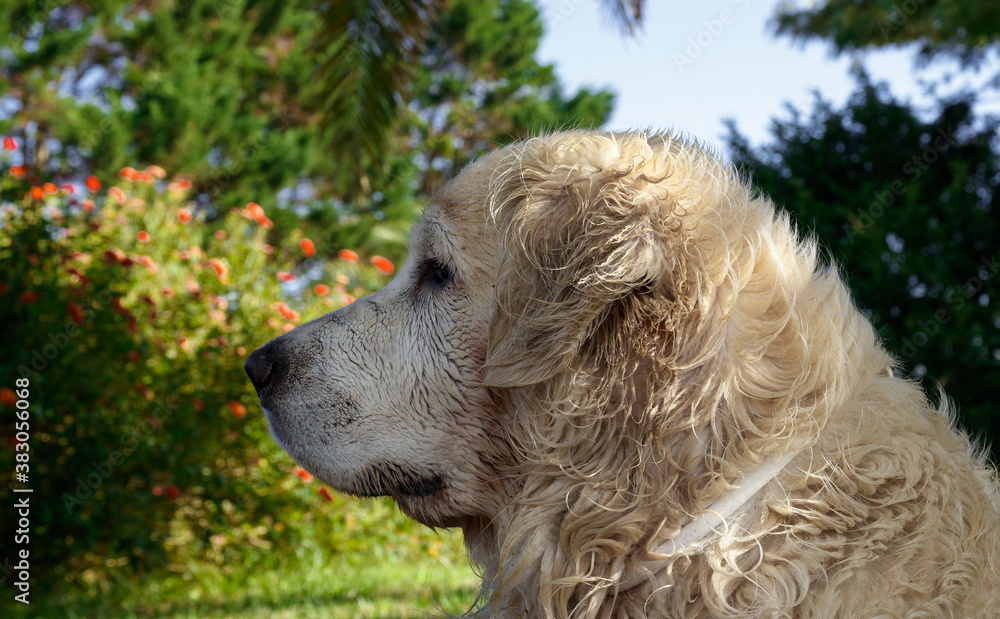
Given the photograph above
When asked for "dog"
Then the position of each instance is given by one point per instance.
(638, 392)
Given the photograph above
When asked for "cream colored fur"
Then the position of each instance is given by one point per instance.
(628, 332)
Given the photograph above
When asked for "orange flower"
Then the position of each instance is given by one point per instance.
(148, 262)
(143, 236)
(220, 235)
(50, 188)
(157, 491)
(325, 493)
(241, 351)
(286, 311)
(157, 171)
(144, 177)
(307, 248)
(17, 171)
(37, 193)
(88, 205)
(220, 269)
(7, 396)
(304, 474)
(127, 172)
(173, 492)
(76, 313)
(255, 210)
(92, 183)
(168, 292)
(322, 289)
(383, 264)
(28, 296)
(9, 143)
(285, 276)
(348, 255)
(265, 222)
(238, 409)
(117, 194)
(184, 184)
(184, 215)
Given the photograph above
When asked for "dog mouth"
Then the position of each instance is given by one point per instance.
(388, 479)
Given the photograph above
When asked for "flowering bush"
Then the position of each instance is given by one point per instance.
(131, 311)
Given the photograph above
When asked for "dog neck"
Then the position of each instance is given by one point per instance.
(715, 516)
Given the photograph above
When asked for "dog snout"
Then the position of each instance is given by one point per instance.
(266, 365)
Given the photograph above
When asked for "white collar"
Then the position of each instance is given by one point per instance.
(717, 514)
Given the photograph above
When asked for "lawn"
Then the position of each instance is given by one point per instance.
(379, 564)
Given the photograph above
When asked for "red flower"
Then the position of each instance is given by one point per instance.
(133, 355)
(9, 143)
(184, 184)
(383, 264)
(197, 404)
(348, 255)
(307, 248)
(37, 193)
(286, 311)
(194, 288)
(265, 222)
(238, 409)
(285, 276)
(17, 171)
(92, 183)
(28, 296)
(88, 205)
(148, 262)
(220, 235)
(157, 491)
(220, 269)
(76, 313)
(127, 172)
(304, 474)
(322, 289)
(143, 236)
(173, 492)
(7, 396)
(184, 215)
(325, 493)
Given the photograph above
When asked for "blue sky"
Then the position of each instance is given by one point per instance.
(696, 63)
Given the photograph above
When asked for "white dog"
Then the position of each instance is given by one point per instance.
(637, 392)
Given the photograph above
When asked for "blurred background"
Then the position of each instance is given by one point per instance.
(182, 181)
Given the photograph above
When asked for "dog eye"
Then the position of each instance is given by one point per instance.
(437, 275)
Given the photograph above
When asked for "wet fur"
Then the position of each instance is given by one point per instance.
(629, 331)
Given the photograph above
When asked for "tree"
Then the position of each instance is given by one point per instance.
(966, 31)
(904, 207)
(369, 49)
(227, 94)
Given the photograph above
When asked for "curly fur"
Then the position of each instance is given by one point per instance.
(652, 333)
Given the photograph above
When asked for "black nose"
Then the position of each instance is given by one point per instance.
(265, 365)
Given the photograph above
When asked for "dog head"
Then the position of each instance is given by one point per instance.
(583, 320)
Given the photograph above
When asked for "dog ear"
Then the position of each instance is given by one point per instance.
(581, 230)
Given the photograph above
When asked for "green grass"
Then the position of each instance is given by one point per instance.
(382, 565)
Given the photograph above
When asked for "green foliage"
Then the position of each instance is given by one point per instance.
(131, 317)
(233, 94)
(905, 207)
(958, 28)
